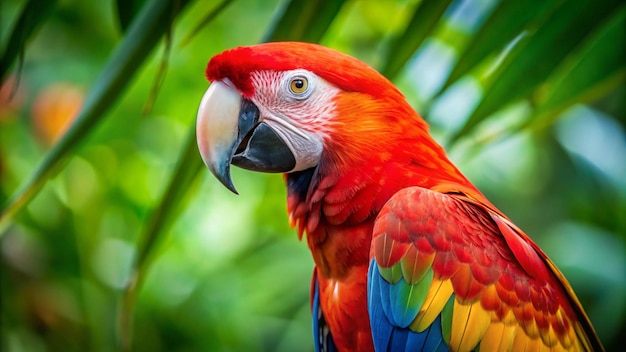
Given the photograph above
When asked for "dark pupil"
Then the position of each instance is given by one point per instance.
(299, 83)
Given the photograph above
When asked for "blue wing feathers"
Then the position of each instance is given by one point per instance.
(398, 340)
(433, 338)
(402, 314)
(316, 328)
(389, 324)
(380, 324)
(383, 293)
(323, 339)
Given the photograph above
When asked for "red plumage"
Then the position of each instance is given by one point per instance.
(384, 190)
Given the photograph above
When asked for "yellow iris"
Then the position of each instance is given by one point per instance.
(299, 85)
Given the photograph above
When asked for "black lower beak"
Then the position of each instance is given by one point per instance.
(253, 146)
(264, 151)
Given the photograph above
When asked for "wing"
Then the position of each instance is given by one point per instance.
(448, 273)
(322, 338)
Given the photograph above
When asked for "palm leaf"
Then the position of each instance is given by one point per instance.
(33, 15)
(305, 21)
(527, 65)
(142, 37)
(127, 10)
(208, 18)
(506, 21)
(426, 16)
(594, 69)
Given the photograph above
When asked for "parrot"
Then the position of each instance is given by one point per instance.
(409, 255)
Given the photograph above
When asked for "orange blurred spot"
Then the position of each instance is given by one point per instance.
(54, 109)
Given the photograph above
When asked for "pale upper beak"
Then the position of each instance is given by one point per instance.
(230, 130)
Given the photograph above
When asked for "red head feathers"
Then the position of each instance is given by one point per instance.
(354, 75)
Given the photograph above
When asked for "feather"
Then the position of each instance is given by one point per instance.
(469, 324)
(498, 337)
(389, 322)
(323, 339)
(408, 299)
(438, 295)
(415, 265)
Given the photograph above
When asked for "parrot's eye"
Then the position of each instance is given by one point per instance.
(298, 85)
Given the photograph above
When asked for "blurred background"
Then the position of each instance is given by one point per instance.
(114, 237)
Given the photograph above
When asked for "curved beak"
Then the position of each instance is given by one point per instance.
(229, 130)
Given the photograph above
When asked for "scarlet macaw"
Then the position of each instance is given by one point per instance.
(409, 255)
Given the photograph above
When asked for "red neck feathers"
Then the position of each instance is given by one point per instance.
(377, 146)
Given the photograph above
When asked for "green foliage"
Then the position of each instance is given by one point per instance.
(110, 240)
(35, 13)
(150, 25)
(305, 21)
(526, 65)
(127, 10)
(426, 16)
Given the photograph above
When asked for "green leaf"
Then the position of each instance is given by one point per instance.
(153, 21)
(425, 18)
(127, 10)
(208, 18)
(305, 21)
(536, 56)
(507, 21)
(187, 169)
(160, 75)
(34, 14)
(592, 71)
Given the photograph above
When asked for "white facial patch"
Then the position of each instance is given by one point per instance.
(301, 120)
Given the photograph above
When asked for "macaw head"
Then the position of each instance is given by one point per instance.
(287, 107)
